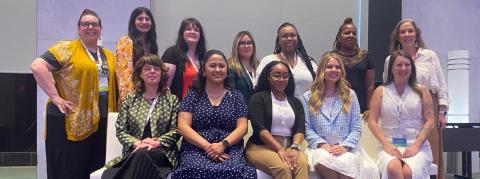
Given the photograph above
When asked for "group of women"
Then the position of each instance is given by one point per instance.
(208, 99)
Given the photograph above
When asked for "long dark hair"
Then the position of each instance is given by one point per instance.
(264, 85)
(300, 48)
(182, 46)
(201, 81)
(134, 34)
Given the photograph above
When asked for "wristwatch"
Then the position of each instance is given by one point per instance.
(295, 147)
(225, 143)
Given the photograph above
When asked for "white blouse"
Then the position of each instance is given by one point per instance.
(283, 117)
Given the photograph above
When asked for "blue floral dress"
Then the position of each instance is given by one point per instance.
(213, 123)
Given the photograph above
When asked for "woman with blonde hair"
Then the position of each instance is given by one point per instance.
(243, 63)
(332, 124)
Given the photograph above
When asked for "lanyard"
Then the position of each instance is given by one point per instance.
(99, 56)
(193, 64)
(149, 114)
(252, 77)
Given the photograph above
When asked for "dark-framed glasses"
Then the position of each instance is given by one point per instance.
(245, 43)
(88, 24)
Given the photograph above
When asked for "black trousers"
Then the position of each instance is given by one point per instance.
(73, 159)
(141, 164)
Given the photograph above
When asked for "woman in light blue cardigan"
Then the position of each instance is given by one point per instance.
(333, 127)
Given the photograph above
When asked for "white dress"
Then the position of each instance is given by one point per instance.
(301, 74)
(402, 115)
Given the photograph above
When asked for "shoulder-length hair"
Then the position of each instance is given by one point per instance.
(182, 46)
(318, 86)
(300, 47)
(412, 80)
(396, 45)
(234, 60)
(134, 34)
(264, 85)
(201, 81)
(154, 60)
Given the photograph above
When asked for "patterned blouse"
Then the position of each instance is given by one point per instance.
(124, 66)
(163, 123)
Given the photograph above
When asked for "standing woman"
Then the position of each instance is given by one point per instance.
(243, 63)
(183, 59)
(213, 121)
(407, 36)
(278, 125)
(141, 40)
(81, 95)
(147, 125)
(359, 69)
(289, 49)
(332, 126)
(401, 118)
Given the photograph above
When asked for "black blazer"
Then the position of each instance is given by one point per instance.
(260, 115)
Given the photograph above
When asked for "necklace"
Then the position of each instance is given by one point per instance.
(289, 62)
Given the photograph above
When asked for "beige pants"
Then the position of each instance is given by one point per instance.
(267, 160)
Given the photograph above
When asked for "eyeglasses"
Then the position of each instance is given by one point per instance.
(279, 76)
(88, 24)
(245, 43)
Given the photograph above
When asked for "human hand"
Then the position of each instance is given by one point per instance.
(338, 150)
(284, 157)
(410, 151)
(392, 150)
(215, 150)
(221, 158)
(442, 121)
(63, 105)
(152, 142)
(326, 146)
(293, 157)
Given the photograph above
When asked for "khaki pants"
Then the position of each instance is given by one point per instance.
(267, 160)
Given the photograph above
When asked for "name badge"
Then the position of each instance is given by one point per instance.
(399, 138)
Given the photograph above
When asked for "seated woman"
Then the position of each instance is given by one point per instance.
(333, 127)
(147, 125)
(401, 118)
(212, 121)
(278, 125)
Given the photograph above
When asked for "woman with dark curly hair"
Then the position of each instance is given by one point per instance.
(278, 125)
(147, 125)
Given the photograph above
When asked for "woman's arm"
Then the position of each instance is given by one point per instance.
(427, 111)
(41, 71)
(375, 108)
(370, 83)
(311, 135)
(171, 73)
(123, 54)
(355, 125)
(190, 135)
(122, 125)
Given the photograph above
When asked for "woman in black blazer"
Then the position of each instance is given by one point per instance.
(278, 122)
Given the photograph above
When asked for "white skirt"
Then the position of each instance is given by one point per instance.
(419, 164)
(355, 164)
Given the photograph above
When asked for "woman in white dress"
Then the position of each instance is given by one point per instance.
(407, 36)
(332, 124)
(289, 49)
(401, 118)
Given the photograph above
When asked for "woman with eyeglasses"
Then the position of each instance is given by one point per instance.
(141, 40)
(278, 125)
(243, 63)
(289, 49)
(82, 92)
